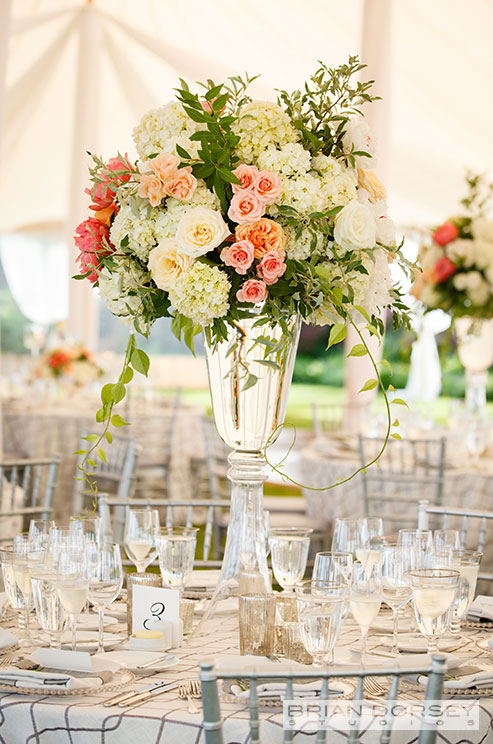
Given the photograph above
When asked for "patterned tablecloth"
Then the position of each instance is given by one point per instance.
(41, 719)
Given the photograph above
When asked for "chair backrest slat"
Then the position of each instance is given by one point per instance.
(26, 490)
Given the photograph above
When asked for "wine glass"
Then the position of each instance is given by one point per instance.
(445, 539)
(320, 605)
(91, 527)
(60, 539)
(289, 548)
(176, 549)
(347, 536)
(22, 550)
(39, 530)
(72, 584)
(396, 585)
(105, 571)
(332, 566)
(141, 527)
(434, 592)
(466, 562)
(365, 598)
(420, 542)
(49, 610)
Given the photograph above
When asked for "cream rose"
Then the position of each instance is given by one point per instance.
(358, 138)
(167, 264)
(355, 227)
(200, 230)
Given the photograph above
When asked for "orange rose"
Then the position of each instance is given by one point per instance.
(181, 185)
(266, 236)
(105, 215)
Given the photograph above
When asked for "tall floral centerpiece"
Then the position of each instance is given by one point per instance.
(240, 219)
(457, 276)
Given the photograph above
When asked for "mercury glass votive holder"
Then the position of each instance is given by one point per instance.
(187, 609)
(293, 645)
(257, 618)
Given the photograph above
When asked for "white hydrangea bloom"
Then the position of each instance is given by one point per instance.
(429, 255)
(475, 286)
(430, 296)
(379, 282)
(482, 229)
(262, 124)
(460, 250)
(290, 160)
(140, 230)
(202, 294)
(300, 249)
(163, 128)
(310, 192)
(167, 220)
(483, 253)
(114, 288)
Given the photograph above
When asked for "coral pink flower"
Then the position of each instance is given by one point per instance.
(181, 184)
(164, 165)
(92, 239)
(267, 185)
(253, 290)
(442, 270)
(271, 267)
(119, 164)
(102, 195)
(266, 236)
(151, 187)
(245, 207)
(239, 256)
(445, 233)
(247, 175)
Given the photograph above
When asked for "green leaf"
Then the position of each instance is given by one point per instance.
(182, 153)
(396, 422)
(140, 361)
(395, 435)
(102, 455)
(251, 381)
(228, 176)
(386, 364)
(101, 415)
(369, 385)
(363, 312)
(268, 363)
(109, 436)
(118, 392)
(127, 375)
(338, 333)
(107, 393)
(391, 389)
(399, 402)
(358, 350)
(118, 421)
(79, 452)
(91, 438)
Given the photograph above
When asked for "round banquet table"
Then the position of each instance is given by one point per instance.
(41, 719)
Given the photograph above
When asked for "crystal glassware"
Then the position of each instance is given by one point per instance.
(320, 606)
(257, 618)
(141, 528)
(365, 598)
(176, 551)
(61, 539)
(39, 530)
(331, 566)
(433, 595)
(396, 585)
(466, 562)
(347, 536)
(23, 548)
(292, 643)
(91, 527)
(73, 585)
(289, 554)
(475, 351)
(14, 594)
(187, 611)
(444, 539)
(49, 610)
(421, 543)
(104, 565)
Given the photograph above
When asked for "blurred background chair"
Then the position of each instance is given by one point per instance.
(330, 419)
(26, 492)
(409, 470)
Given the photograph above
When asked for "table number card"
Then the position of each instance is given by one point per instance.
(153, 606)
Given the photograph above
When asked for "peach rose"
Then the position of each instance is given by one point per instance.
(271, 267)
(368, 180)
(105, 215)
(151, 187)
(245, 207)
(181, 185)
(267, 186)
(239, 256)
(253, 290)
(266, 236)
(247, 175)
(164, 165)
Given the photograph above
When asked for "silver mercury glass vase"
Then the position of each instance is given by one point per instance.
(249, 391)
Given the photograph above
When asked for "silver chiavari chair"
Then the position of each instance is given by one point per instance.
(117, 473)
(472, 525)
(171, 514)
(213, 724)
(408, 470)
(26, 490)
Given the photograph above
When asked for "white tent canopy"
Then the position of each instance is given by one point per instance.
(80, 74)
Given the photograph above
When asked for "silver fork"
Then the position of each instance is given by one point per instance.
(373, 687)
(188, 691)
(6, 660)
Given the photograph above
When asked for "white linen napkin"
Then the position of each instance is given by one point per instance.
(7, 639)
(481, 678)
(278, 689)
(481, 608)
(50, 680)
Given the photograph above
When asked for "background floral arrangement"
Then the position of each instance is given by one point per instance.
(457, 264)
(238, 208)
(72, 362)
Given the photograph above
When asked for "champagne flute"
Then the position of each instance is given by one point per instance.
(396, 585)
(289, 548)
(73, 585)
(141, 527)
(105, 580)
(365, 598)
(176, 549)
(434, 592)
(320, 605)
(39, 530)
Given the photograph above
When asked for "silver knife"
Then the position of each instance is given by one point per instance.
(142, 697)
(124, 695)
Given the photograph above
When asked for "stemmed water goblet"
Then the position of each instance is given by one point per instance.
(446, 539)
(91, 527)
(332, 566)
(141, 528)
(176, 550)
(365, 598)
(289, 548)
(73, 584)
(347, 536)
(320, 605)
(39, 530)
(396, 585)
(420, 542)
(104, 565)
(434, 591)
